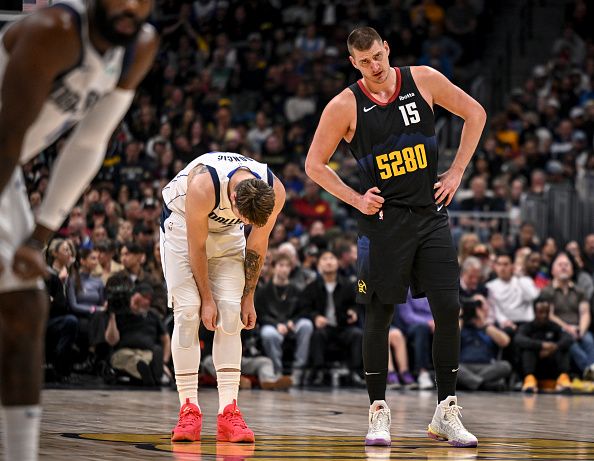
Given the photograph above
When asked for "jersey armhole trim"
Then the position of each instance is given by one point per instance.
(77, 19)
(217, 184)
(269, 177)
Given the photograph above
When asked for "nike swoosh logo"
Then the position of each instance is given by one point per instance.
(455, 370)
(440, 206)
(367, 109)
(369, 374)
(223, 209)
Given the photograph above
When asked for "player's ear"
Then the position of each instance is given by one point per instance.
(353, 62)
(387, 47)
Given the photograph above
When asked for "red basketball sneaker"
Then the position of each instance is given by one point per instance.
(189, 424)
(231, 427)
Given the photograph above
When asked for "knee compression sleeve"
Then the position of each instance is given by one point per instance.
(378, 318)
(226, 351)
(185, 350)
(445, 305)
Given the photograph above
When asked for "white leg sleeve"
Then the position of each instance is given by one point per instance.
(185, 350)
(226, 349)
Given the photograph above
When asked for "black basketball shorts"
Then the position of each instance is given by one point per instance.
(409, 247)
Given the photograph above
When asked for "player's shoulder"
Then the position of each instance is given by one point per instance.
(201, 187)
(60, 26)
(148, 38)
(424, 73)
(342, 103)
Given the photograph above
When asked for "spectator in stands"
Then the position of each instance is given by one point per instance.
(526, 238)
(277, 305)
(85, 291)
(133, 258)
(480, 202)
(62, 326)
(418, 326)
(571, 311)
(299, 276)
(532, 269)
(466, 246)
(511, 296)
(581, 277)
(471, 278)
(544, 349)
(347, 260)
(480, 343)
(107, 265)
(86, 298)
(330, 302)
(125, 232)
(142, 346)
(311, 206)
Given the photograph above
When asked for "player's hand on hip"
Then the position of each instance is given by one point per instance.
(370, 202)
(28, 263)
(248, 313)
(208, 315)
(446, 186)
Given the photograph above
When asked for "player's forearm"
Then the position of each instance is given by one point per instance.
(254, 258)
(471, 135)
(199, 265)
(329, 180)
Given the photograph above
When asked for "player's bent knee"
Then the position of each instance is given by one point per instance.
(187, 322)
(229, 318)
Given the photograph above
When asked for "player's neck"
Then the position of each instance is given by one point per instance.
(382, 91)
(240, 175)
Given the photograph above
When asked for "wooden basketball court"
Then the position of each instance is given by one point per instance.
(306, 424)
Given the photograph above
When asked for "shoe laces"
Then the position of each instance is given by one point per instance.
(452, 414)
(380, 420)
(188, 417)
(235, 418)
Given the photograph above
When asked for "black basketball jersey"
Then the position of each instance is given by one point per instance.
(395, 144)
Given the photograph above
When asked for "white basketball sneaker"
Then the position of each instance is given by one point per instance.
(446, 425)
(379, 424)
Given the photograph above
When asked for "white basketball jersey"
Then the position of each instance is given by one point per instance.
(75, 92)
(221, 166)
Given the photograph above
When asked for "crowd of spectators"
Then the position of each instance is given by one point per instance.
(252, 77)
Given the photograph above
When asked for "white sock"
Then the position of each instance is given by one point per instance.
(187, 388)
(21, 432)
(228, 384)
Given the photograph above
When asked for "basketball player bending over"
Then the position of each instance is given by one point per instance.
(75, 63)
(211, 273)
(404, 238)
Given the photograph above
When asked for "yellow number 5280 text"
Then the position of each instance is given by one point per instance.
(403, 161)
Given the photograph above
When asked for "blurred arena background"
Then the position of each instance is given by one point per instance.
(252, 77)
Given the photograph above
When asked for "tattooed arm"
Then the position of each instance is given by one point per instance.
(256, 247)
(200, 200)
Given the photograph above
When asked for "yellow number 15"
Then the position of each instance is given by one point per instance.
(398, 162)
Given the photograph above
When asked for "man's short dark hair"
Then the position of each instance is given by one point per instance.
(105, 246)
(133, 248)
(504, 254)
(254, 200)
(282, 257)
(362, 38)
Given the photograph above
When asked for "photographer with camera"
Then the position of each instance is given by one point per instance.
(480, 344)
(142, 346)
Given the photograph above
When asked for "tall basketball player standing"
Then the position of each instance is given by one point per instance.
(75, 64)
(404, 238)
